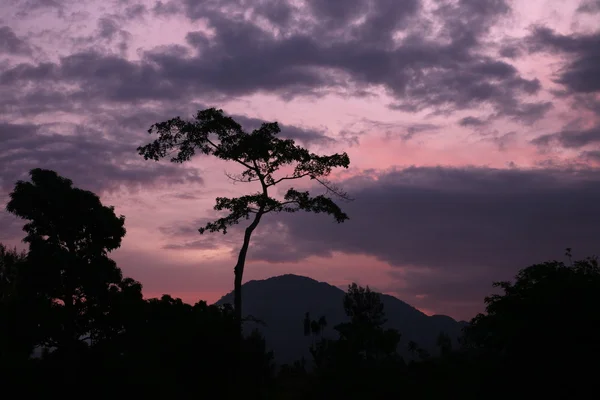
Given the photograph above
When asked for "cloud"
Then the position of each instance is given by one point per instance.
(570, 138)
(38, 4)
(96, 76)
(108, 33)
(503, 140)
(85, 155)
(593, 156)
(448, 292)
(527, 113)
(303, 135)
(510, 50)
(449, 219)
(135, 11)
(589, 6)
(25, 8)
(11, 44)
(390, 130)
(581, 72)
(435, 65)
(103, 143)
(471, 121)
(436, 217)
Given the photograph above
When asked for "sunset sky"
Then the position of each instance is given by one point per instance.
(472, 126)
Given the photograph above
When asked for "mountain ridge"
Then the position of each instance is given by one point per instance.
(282, 301)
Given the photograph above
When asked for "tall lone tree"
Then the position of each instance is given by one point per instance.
(261, 154)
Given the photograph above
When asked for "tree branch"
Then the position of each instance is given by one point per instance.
(275, 182)
(335, 190)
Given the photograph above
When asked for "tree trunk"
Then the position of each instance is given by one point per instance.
(238, 271)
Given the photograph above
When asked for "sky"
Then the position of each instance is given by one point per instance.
(472, 126)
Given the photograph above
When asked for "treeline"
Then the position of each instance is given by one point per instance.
(71, 325)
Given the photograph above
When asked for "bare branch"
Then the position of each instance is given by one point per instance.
(275, 182)
(333, 189)
(240, 178)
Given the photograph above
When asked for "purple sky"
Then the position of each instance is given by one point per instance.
(473, 129)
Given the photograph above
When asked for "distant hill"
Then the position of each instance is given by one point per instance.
(282, 301)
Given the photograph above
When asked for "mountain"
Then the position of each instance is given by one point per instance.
(282, 301)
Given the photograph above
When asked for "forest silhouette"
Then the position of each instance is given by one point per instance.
(72, 325)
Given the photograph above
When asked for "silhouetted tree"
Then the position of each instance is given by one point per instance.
(17, 330)
(364, 333)
(314, 328)
(261, 154)
(363, 358)
(10, 260)
(444, 342)
(174, 348)
(412, 347)
(423, 354)
(119, 315)
(69, 233)
(322, 323)
(307, 322)
(525, 327)
(363, 306)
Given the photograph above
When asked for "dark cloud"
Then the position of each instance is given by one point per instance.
(380, 19)
(103, 144)
(412, 130)
(305, 136)
(98, 76)
(527, 113)
(390, 130)
(278, 13)
(166, 8)
(449, 220)
(581, 72)
(134, 11)
(443, 218)
(107, 36)
(422, 70)
(107, 28)
(448, 292)
(39, 4)
(571, 138)
(593, 155)
(511, 51)
(589, 6)
(587, 102)
(502, 141)
(10, 43)
(471, 121)
(82, 154)
(339, 13)
(25, 8)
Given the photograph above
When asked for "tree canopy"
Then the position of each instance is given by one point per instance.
(544, 325)
(262, 155)
(69, 233)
